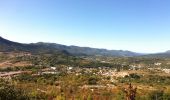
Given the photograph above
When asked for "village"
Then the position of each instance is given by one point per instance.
(94, 76)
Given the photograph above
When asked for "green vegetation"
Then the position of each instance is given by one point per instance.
(60, 76)
(10, 92)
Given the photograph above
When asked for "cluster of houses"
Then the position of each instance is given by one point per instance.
(104, 71)
(114, 73)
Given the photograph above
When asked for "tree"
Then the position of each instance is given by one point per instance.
(130, 92)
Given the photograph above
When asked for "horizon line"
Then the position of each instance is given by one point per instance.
(82, 46)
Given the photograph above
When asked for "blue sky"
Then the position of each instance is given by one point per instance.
(135, 25)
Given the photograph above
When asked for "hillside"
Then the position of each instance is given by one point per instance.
(41, 47)
(10, 46)
(159, 55)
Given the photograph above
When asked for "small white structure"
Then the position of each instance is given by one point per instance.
(70, 68)
(157, 64)
(50, 72)
(53, 68)
(166, 70)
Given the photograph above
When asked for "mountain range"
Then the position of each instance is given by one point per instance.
(42, 47)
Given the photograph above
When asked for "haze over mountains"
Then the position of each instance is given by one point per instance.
(41, 47)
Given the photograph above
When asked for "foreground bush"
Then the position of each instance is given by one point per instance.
(9, 92)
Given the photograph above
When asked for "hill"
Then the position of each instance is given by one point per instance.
(41, 47)
(10, 46)
(159, 55)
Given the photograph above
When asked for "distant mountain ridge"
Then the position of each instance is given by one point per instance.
(9, 46)
(168, 51)
(159, 55)
(41, 47)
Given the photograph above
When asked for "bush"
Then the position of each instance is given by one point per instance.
(156, 95)
(9, 92)
(92, 80)
(166, 96)
(135, 76)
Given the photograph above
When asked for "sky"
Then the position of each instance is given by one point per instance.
(135, 25)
